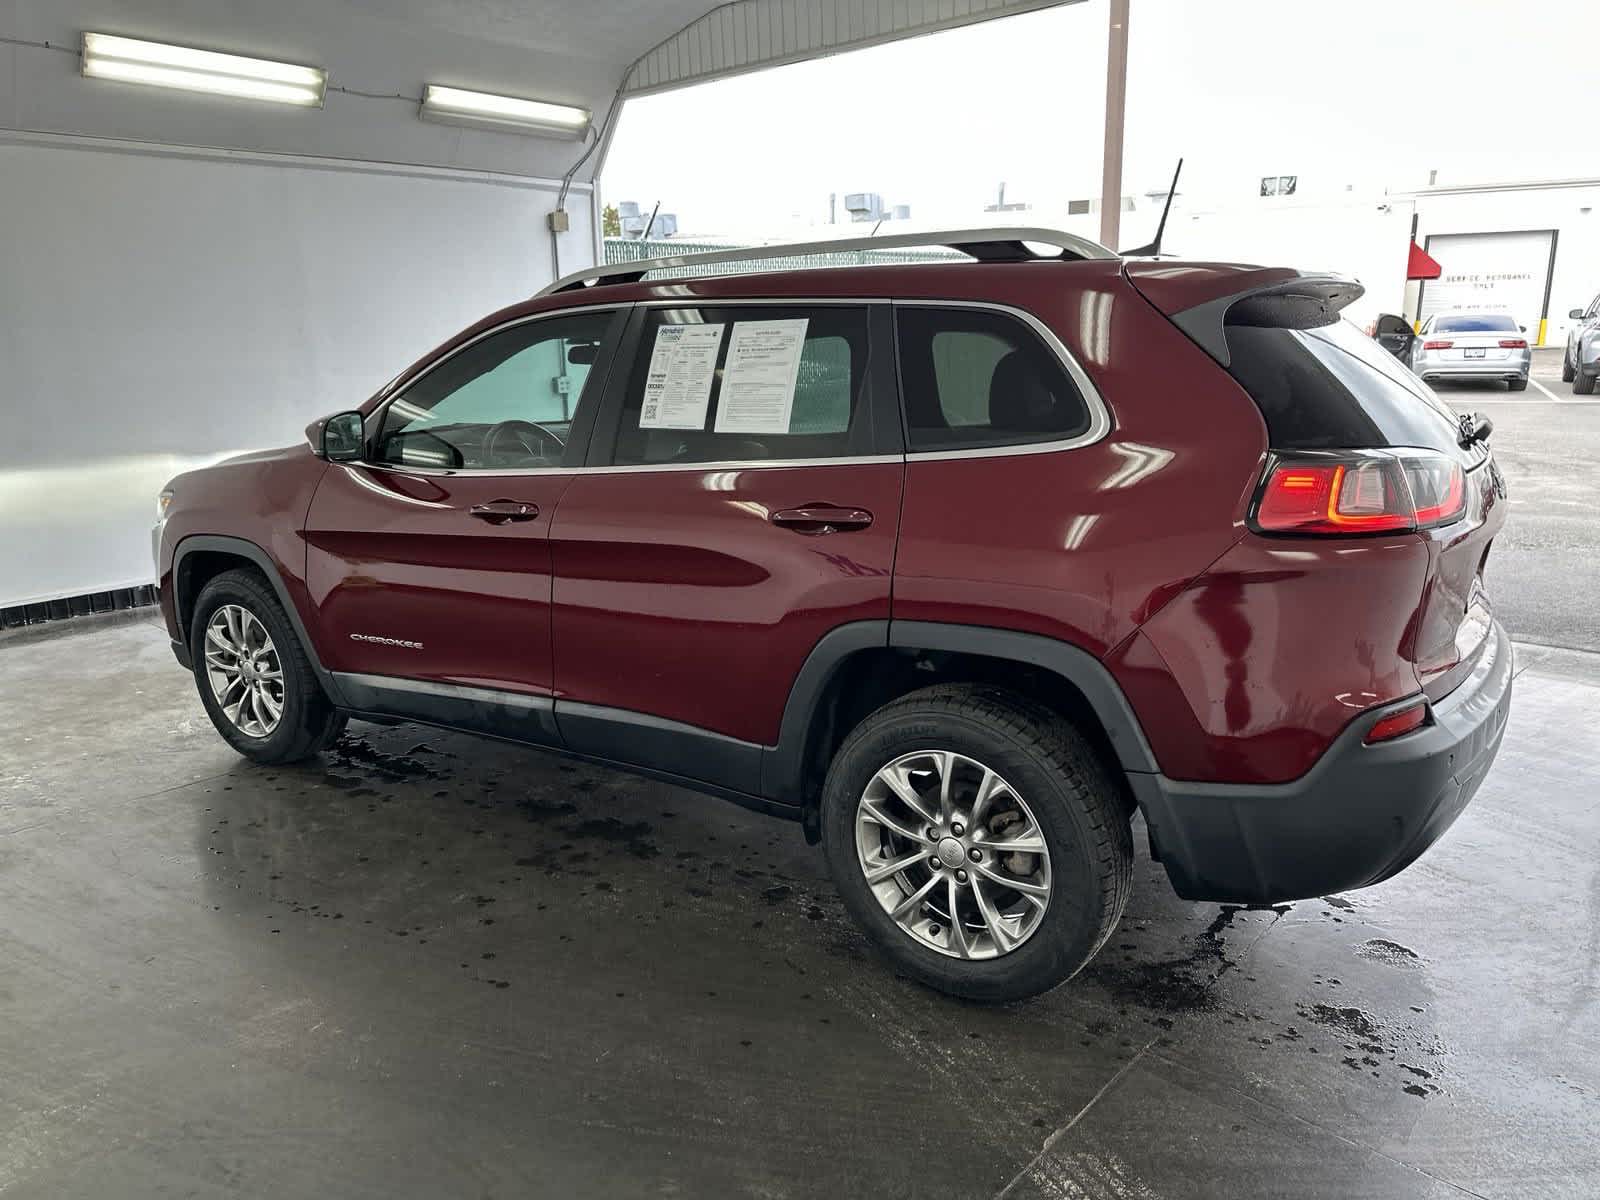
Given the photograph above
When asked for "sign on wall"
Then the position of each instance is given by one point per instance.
(1490, 272)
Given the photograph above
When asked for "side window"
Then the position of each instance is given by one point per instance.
(737, 384)
(504, 403)
(975, 378)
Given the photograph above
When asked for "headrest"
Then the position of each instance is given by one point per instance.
(1019, 399)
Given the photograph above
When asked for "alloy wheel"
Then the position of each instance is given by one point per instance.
(244, 670)
(953, 854)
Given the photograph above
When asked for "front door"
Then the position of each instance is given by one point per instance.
(742, 501)
(429, 564)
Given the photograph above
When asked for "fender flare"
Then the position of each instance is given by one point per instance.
(783, 765)
(259, 558)
(1078, 667)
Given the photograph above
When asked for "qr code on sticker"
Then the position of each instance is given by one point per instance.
(649, 412)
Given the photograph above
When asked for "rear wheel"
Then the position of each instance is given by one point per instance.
(1517, 385)
(980, 841)
(1583, 385)
(254, 678)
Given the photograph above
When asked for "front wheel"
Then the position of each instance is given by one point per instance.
(979, 840)
(254, 678)
(1566, 370)
(1583, 385)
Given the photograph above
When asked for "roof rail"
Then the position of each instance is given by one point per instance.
(1004, 244)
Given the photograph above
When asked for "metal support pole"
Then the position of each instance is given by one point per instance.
(1116, 106)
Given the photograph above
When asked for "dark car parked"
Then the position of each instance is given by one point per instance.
(959, 564)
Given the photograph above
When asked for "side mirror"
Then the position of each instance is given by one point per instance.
(344, 438)
(1523, 328)
(1575, 315)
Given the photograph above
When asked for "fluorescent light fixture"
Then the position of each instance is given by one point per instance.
(482, 110)
(130, 60)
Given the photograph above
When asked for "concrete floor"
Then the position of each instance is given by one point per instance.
(433, 966)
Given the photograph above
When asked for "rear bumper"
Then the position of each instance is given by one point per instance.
(1435, 365)
(1484, 370)
(1361, 814)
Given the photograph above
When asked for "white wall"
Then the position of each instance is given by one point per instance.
(1368, 240)
(1574, 212)
(160, 307)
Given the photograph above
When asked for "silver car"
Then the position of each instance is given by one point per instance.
(1580, 365)
(1474, 345)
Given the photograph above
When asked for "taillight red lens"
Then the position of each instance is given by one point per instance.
(1438, 489)
(1395, 724)
(1437, 345)
(1360, 494)
(1356, 497)
(1513, 343)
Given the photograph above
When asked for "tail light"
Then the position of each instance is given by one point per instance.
(1437, 345)
(1513, 343)
(1343, 494)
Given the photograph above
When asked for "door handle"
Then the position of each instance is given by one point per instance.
(821, 518)
(501, 512)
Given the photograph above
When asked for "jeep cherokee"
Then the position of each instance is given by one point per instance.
(959, 563)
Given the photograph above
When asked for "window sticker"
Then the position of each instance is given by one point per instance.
(759, 378)
(677, 389)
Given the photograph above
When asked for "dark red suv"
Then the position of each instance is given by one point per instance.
(958, 563)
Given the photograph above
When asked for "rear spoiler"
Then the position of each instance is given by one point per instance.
(1284, 300)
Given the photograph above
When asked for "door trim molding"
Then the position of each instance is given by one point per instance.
(515, 715)
(640, 739)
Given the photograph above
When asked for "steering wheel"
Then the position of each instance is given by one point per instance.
(533, 438)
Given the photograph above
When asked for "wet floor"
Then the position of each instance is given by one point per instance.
(427, 965)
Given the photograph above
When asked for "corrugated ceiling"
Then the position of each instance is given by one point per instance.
(746, 35)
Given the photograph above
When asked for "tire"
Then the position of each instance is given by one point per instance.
(1050, 773)
(1517, 385)
(307, 722)
(1583, 385)
(1566, 370)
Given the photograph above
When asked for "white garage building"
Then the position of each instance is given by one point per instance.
(1532, 248)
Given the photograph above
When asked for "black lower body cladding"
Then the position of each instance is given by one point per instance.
(1359, 816)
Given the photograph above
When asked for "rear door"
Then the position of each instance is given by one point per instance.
(742, 501)
(429, 563)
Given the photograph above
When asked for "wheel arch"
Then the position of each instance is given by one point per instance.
(200, 558)
(859, 667)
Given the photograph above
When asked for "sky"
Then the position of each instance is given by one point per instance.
(1346, 94)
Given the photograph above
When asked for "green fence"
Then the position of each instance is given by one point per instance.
(626, 250)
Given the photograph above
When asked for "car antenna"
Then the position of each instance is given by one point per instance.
(1154, 248)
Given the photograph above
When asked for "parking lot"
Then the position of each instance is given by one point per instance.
(455, 966)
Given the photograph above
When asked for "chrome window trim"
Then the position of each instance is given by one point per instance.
(1099, 414)
(752, 464)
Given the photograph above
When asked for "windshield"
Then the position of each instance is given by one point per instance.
(1476, 323)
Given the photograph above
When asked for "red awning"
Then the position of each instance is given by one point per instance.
(1420, 265)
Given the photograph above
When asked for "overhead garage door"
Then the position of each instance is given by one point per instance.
(1491, 272)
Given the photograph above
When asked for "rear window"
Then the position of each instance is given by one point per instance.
(975, 378)
(1475, 323)
(1332, 387)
